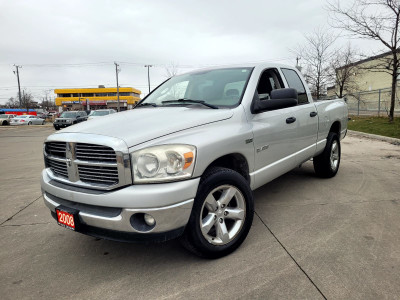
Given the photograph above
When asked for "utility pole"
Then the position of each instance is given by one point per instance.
(297, 63)
(116, 74)
(148, 74)
(19, 87)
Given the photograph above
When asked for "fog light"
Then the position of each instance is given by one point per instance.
(149, 220)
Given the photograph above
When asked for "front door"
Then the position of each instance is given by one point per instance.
(274, 134)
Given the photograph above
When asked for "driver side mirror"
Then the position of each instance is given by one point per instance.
(280, 98)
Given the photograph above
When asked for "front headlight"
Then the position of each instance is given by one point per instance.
(68, 121)
(163, 163)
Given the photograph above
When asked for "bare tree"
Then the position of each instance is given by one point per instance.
(344, 70)
(374, 20)
(171, 69)
(48, 104)
(315, 53)
(12, 103)
(26, 100)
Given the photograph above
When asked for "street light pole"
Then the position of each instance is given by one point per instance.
(19, 87)
(148, 74)
(116, 74)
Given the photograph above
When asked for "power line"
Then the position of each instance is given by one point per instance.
(139, 64)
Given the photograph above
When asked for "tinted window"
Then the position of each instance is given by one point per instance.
(295, 82)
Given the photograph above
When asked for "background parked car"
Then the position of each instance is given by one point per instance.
(100, 113)
(69, 118)
(6, 119)
(27, 120)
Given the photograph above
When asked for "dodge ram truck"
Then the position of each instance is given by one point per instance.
(185, 161)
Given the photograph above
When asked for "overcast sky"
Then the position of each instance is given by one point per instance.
(75, 43)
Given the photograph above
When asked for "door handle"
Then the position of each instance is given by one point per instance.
(313, 114)
(290, 120)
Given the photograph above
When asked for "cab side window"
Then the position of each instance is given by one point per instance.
(269, 80)
(295, 82)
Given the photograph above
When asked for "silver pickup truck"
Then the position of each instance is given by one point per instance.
(184, 162)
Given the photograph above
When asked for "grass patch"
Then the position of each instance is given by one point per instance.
(375, 125)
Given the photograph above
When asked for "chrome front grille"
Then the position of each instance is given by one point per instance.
(88, 165)
(57, 167)
(56, 148)
(92, 152)
(107, 175)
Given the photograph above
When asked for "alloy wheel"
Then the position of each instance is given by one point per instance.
(222, 215)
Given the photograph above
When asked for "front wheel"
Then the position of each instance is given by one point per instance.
(30, 123)
(222, 214)
(43, 122)
(326, 164)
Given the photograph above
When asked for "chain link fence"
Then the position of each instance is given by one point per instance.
(372, 103)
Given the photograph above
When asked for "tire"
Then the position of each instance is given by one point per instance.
(29, 123)
(43, 122)
(326, 165)
(216, 227)
(56, 128)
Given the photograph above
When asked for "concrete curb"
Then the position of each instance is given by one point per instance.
(393, 141)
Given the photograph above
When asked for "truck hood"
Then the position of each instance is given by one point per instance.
(143, 124)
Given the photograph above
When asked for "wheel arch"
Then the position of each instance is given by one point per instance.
(336, 127)
(234, 161)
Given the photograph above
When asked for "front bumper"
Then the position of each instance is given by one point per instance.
(61, 125)
(109, 214)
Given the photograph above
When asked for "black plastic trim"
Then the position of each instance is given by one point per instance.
(102, 211)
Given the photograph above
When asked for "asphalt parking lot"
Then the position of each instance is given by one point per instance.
(311, 238)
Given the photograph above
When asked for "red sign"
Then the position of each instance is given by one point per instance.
(65, 219)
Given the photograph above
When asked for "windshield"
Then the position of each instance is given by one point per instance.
(220, 87)
(68, 115)
(99, 113)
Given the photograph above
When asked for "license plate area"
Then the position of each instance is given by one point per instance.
(67, 217)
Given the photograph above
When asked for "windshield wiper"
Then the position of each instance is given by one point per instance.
(147, 104)
(184, 100)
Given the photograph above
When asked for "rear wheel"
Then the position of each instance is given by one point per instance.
(29, 123)
(326, 164)
(43, 122)
(222, 214)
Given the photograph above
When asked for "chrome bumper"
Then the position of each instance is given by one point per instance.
(170, 204)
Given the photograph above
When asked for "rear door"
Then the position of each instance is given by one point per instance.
(306, 118)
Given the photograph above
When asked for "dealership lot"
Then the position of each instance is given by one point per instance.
(311, 238)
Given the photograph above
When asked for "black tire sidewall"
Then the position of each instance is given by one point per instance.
(322, 163)
(334, 137)
(212, 179)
